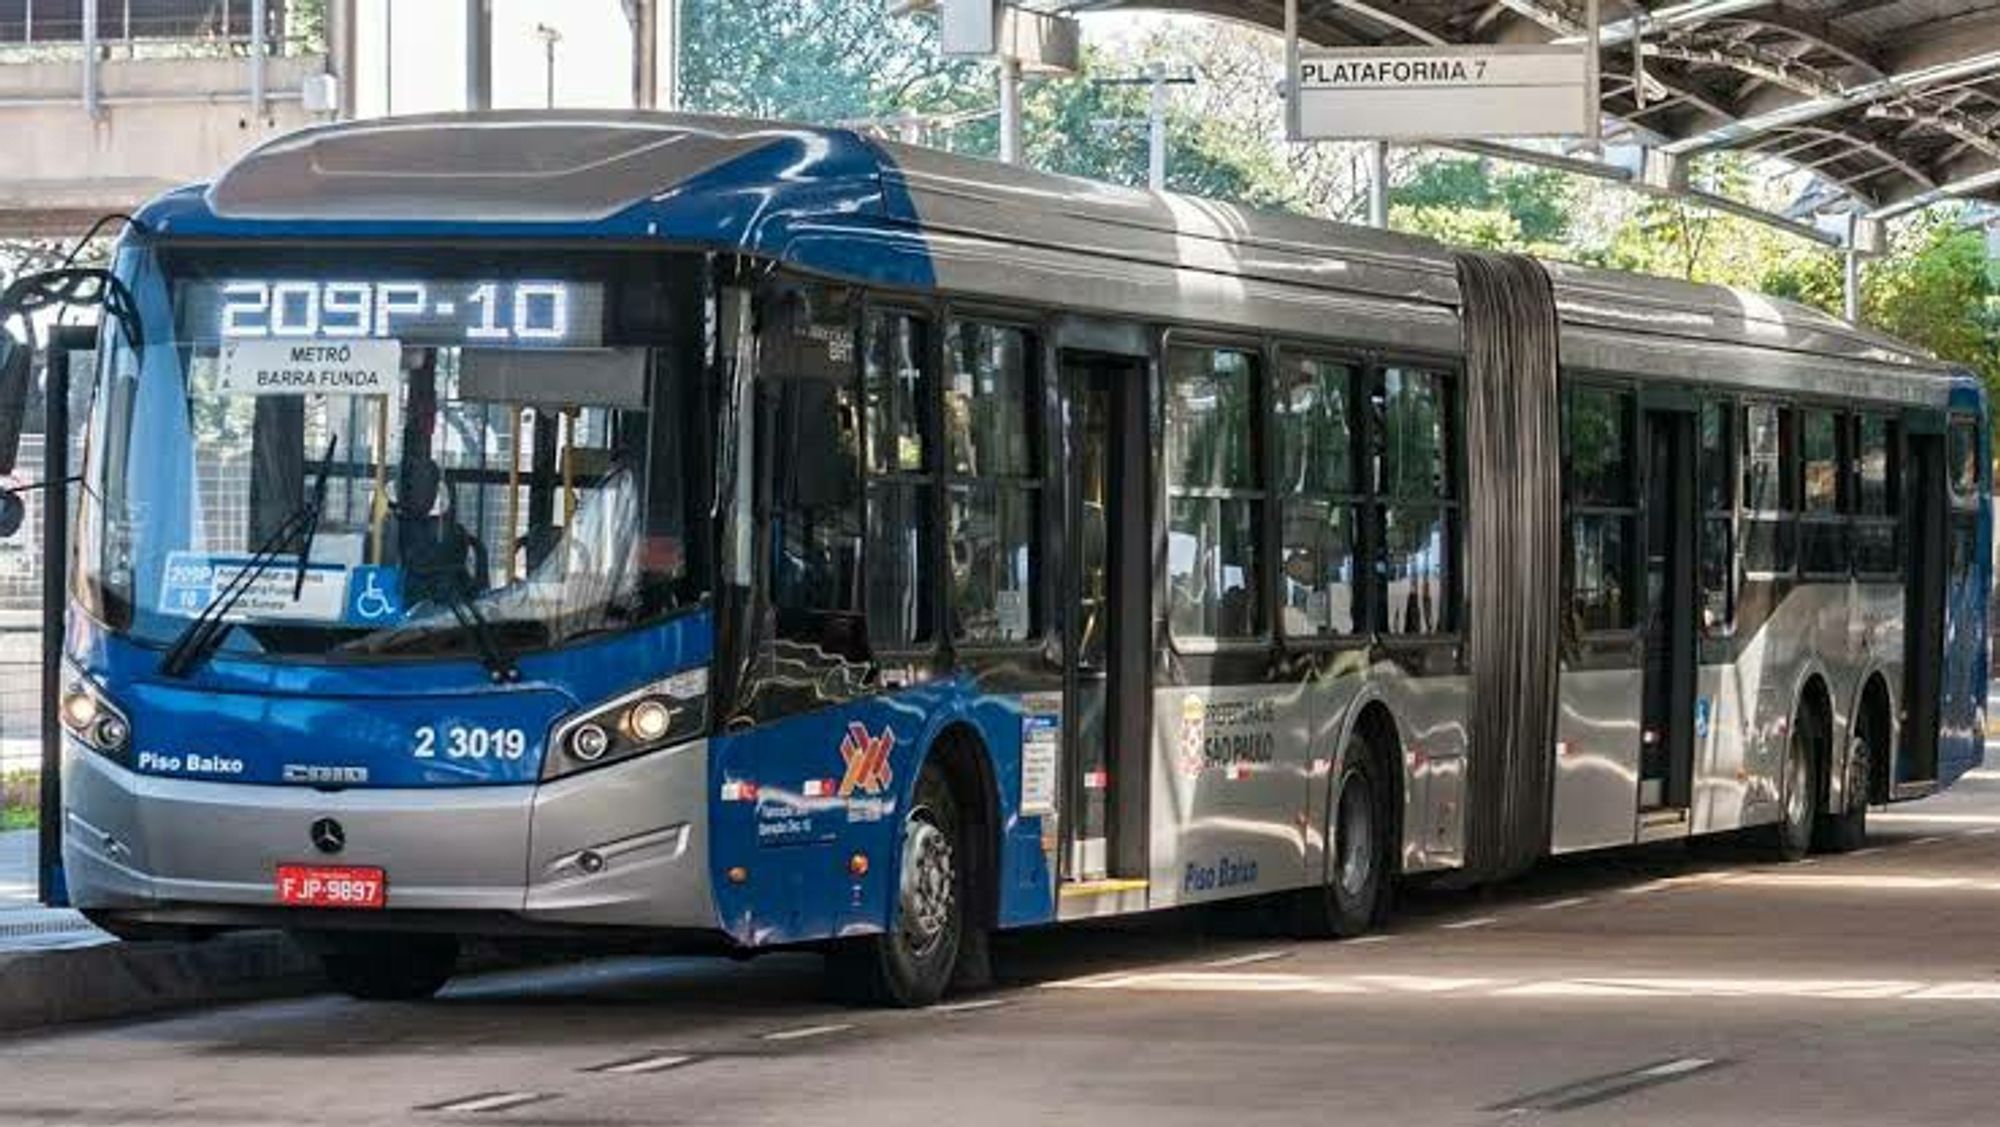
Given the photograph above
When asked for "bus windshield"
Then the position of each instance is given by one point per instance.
(503, 440)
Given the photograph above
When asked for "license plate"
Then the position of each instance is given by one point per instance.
(332, 886)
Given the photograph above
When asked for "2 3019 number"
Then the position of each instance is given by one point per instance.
(456, 742)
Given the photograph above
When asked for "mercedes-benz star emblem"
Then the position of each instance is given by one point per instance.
(328, 836)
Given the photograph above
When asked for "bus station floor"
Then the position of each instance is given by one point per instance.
(1669, 986)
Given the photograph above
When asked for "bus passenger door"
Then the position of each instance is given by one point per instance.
(1666, 750)
(1107, 592)
(1928, 505)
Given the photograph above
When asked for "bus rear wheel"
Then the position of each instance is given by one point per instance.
(911, 964)
(1352, 901)
(388, 968)
(1848, 831)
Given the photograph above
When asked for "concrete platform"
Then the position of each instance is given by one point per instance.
(56, 968)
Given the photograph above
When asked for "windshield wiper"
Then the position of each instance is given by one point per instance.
(498, 665)
(206, 632)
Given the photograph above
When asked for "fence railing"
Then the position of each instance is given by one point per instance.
(220, 27)
(94, 34)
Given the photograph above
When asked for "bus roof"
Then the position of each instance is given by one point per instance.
(791, 192)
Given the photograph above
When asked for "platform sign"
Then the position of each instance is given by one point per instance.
(1444, 93)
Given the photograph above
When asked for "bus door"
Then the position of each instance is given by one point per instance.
(1928, 502)
(1666, 751)
(1104, 828)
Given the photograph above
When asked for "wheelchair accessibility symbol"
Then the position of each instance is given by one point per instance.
(374, 595)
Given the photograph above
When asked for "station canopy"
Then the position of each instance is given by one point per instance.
(1893, 104)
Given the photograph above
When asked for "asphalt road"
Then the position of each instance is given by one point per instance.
(1669, 987)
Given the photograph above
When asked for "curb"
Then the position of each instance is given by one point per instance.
(116, 980)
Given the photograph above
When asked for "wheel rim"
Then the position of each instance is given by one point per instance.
(929, 883)
(1357, 838)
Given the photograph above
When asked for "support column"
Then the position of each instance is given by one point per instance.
(644, 16)
(1378, 184)
(92, 99)
(478, 55)
(340, 50)
(258, 48)
(1010, 110)
(1156, 131)
(669, 39)
(1852, 273)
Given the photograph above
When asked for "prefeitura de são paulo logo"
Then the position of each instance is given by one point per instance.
(867, 759)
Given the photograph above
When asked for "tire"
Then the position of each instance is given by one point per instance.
(912, 963)
(1357, 897)
(1791, 839)
(1848, 831)
(389, 968)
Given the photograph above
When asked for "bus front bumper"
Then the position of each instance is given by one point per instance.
(624, 846)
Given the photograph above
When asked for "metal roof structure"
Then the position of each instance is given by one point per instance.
(1895, 103)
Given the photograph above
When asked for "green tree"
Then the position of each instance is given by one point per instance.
(821, 61)
(1537, 200)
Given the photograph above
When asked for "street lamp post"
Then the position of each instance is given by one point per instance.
(1157, 78)
(550, 37)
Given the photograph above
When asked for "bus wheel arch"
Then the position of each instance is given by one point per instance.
(1353, 893)
(942, 885)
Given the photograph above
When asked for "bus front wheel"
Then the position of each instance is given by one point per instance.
(388, 968)
(1792, 837)
(911, 963)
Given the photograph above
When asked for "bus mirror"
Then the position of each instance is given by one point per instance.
(16, 365)
(12, 512)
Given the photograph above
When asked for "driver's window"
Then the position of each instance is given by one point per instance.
(809, 445)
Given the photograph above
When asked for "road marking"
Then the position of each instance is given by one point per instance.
(1466, 925)
(806, 1031)
(1246, 960)
(1931, 840)
(1566, 902)
(1600, 1089)
(1360, 939)
(659, 1062)
(1900, 817)
(1983, 831)
(967, 1007)
(490, 1101)
(1870, 851)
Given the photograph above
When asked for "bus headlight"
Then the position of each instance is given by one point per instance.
(90, 716)
(666, 712)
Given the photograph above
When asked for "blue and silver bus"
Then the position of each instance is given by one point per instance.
(715, 534)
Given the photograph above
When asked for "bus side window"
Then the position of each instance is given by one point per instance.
(1603, 512)
(1718, 517)
(1823, 527)
(1417, 488)
(994, 483)
(1964, 459)
(1319, 580)
(900, 394)
(1876, 542)
(1770, 490)
(809, 444)
(1214, 500)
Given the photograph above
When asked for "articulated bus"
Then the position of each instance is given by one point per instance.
(705, 533)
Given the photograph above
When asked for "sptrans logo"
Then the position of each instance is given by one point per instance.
(867, 759)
